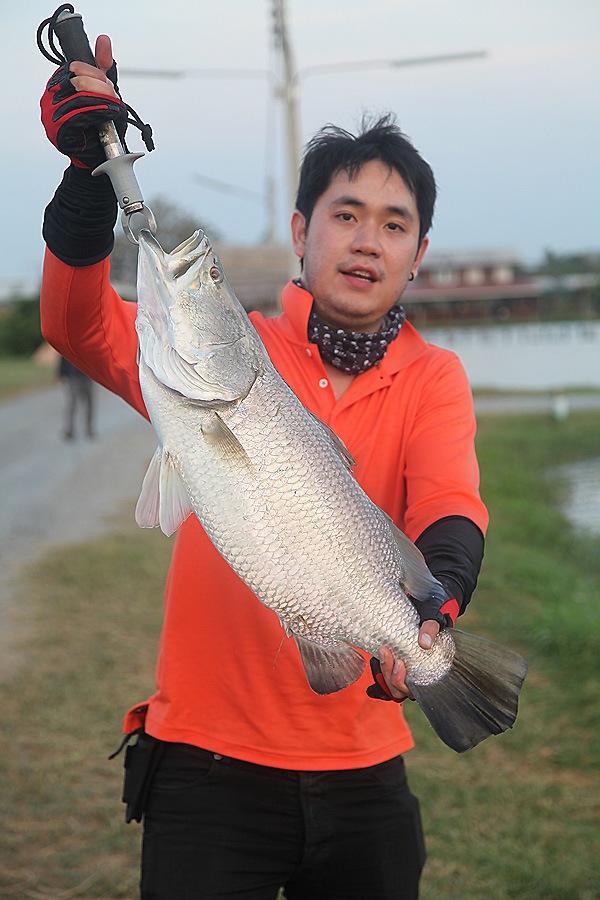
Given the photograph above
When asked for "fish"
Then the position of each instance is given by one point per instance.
(274, 490)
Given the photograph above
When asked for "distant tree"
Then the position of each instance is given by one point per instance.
(20, 333)
(174, 226)
(568, 263)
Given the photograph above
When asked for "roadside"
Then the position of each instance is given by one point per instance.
(56, 492)
(555, 404)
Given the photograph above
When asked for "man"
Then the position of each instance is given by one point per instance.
(80, 391)
(252, 781)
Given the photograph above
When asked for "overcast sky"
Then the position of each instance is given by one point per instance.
(514, 138)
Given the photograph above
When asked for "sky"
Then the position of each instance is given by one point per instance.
(513, 137)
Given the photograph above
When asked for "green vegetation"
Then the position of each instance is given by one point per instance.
(516, 817)
(519, 815)
(19, 374)
(20, 333)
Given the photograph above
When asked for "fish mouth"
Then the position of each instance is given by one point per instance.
(190, 253)
(181, 264)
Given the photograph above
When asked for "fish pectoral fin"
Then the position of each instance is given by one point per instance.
(220, 436)
(418, 580)
(330, 667)
(163, 499)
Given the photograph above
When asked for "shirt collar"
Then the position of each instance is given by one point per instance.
(297, 304)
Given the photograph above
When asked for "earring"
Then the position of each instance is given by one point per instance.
(412, 276)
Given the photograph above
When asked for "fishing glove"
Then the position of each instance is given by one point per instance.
(444, 612)
(71, 118)
(379, 689)
(453, 550)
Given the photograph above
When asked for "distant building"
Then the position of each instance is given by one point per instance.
(257, 274)
(471, 284)
(463, 285)
(494, 283)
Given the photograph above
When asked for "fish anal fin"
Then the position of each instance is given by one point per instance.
(217, 433)
(331, 667)
(163, 499)
(477, 697)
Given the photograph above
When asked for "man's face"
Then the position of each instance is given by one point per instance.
(360, 247)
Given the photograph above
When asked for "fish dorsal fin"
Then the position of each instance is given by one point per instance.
(163, 499)
(417, 580)
(337, 444)
(329, 668)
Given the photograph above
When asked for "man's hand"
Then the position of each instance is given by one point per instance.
(78, 100)
(393, 670)
(95, 80)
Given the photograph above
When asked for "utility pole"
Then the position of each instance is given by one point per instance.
(287, 90)
(288, 87)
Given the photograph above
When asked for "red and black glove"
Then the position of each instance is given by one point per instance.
(444, 612)
(72, 118)
(379, 689)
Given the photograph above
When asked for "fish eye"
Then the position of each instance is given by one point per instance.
(215, 274)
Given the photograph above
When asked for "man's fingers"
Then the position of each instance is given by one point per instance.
(394, 672)
(103, 52)
(93, 86)
(428, 633)
(92, 79)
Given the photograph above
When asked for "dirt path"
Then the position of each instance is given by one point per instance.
(55, 491)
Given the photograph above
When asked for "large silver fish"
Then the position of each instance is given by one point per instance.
(272, 486)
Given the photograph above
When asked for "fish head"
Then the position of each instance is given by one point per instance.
(193, 332)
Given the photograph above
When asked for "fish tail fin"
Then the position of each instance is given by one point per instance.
(479, 694)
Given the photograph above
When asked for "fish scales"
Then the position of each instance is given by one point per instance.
(272, 487)
(295, 524)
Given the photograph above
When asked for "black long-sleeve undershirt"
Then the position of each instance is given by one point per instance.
(453, 549)
(79, 221)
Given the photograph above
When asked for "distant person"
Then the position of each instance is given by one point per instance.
(80, 392)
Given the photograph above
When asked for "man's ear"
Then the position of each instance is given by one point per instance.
(298, 226)
(420, 255)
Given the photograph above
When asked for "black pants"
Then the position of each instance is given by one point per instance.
(80, 393)
(221, 828)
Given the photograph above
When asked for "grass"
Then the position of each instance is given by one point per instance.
(518, 817)
(19, 374)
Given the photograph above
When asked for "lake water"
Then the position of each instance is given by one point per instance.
(528, 356)
(581, 505)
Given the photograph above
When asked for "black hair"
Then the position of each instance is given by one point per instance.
(334, 150)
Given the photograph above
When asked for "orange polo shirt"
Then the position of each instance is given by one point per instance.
(227, 678)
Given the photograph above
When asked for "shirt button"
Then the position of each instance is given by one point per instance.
(308, 351)
(323, 383)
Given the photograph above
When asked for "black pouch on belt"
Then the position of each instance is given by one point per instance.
(141, 760)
